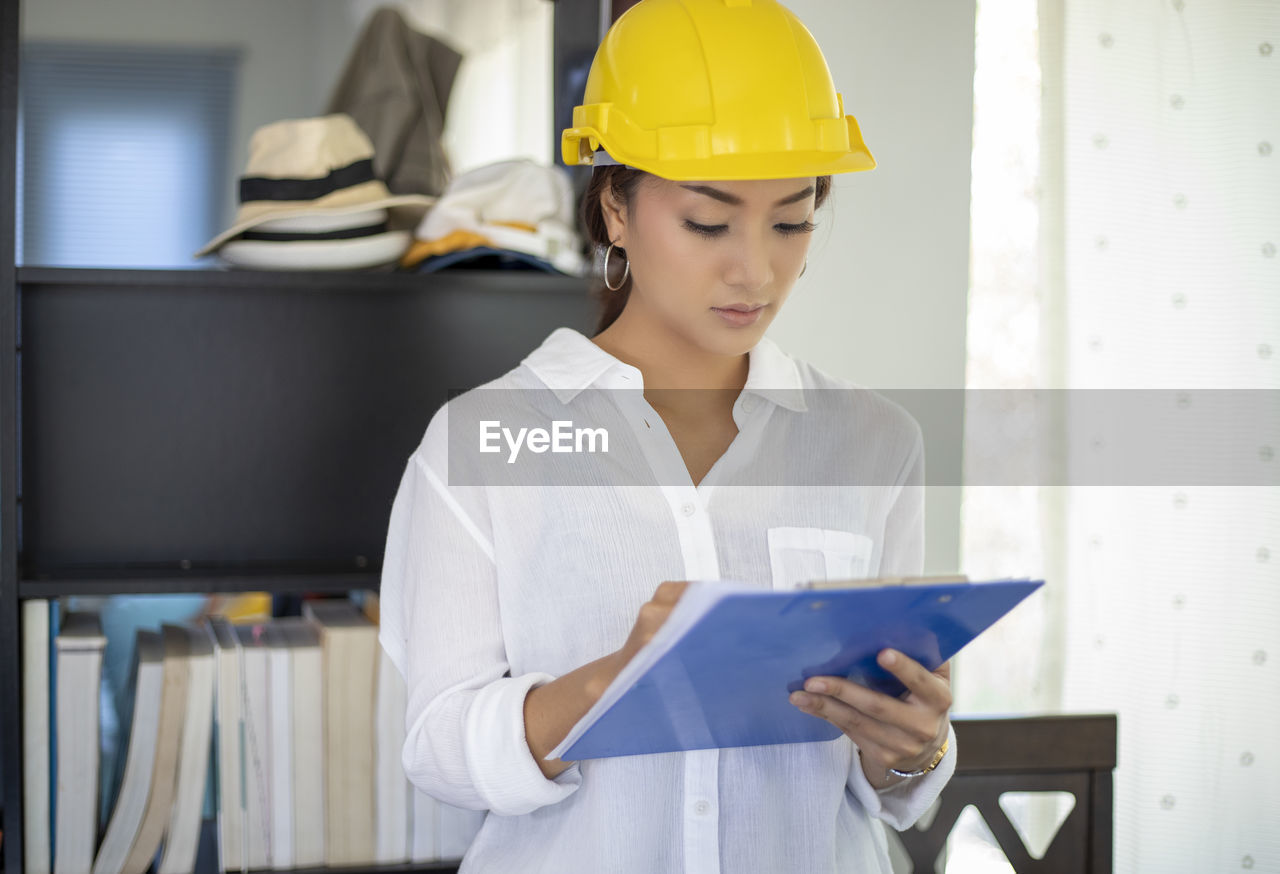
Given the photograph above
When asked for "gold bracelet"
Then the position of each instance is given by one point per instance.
(942, 751)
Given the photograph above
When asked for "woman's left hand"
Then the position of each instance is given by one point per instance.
(903, 733)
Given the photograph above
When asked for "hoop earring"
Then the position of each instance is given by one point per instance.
(804, 268)
(626, 270)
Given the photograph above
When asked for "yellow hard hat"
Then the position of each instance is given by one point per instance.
(713, 90)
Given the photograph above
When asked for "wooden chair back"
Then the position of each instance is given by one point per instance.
(1075, 754)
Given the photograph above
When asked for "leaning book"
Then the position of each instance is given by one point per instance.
(720, 670)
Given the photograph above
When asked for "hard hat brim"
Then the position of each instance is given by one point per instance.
(731, 168)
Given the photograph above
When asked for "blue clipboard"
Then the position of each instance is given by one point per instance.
(726, 681)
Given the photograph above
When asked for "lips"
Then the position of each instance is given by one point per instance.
(739, 315)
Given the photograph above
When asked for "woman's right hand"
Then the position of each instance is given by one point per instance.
(653, 613)
(551, 710)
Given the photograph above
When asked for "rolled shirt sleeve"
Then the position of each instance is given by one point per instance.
(465, 736)
(902, 804)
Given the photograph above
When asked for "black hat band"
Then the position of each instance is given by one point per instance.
(340, 234)
(260, 188)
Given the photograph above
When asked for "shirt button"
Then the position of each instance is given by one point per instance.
(701, 808)
(688, 509)
(748, 404)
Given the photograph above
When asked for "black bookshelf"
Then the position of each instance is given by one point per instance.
(10, 639)
(106, 327)
(139, 583)
(404, 342)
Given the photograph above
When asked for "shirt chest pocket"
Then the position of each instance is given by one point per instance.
(798, 555)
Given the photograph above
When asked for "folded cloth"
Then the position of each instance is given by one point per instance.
(518, 206)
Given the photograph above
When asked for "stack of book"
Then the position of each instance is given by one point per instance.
(305, 717)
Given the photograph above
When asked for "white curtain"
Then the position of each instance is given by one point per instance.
(1157, 215)
(1171, 219)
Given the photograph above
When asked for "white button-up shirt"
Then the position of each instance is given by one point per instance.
(504, 573)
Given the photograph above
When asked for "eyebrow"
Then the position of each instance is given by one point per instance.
(726, 197)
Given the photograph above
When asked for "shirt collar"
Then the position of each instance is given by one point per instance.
(568, 362)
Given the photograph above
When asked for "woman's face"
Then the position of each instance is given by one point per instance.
(712, 261)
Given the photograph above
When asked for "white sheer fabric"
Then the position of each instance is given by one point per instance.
(1159, 223)
(1172, 217)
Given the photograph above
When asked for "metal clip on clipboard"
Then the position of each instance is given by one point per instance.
(876, 582)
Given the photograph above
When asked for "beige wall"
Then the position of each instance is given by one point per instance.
(883, 300)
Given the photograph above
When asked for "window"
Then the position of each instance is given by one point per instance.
(124, 154)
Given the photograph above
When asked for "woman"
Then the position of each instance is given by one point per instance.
(518, 582)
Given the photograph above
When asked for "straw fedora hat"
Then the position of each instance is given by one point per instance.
(314, 167)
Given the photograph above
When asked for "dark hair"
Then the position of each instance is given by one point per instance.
(623, 182)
